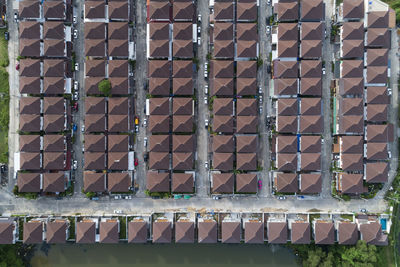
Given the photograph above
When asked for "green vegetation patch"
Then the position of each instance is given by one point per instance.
(122, 227)
(4, 98)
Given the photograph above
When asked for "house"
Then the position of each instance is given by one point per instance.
(8, 229)
(253, 232)
(162, 231)
(222, 183)
(86, 231)
(231, 231)
(119, 182)
(109, 230)
(286, 182)
(324, 232)
(277, 232)
(300, 232)
(182, 183)
(207, 231)
(184, 231)
(137, 231)
(157, 182)
(33, 232)
(57, 231)
(347, 233)
(94, 182)
(371, 232)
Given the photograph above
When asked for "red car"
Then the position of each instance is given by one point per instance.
(17, 66)
(259, 184)
(136, 162)
(76, 106)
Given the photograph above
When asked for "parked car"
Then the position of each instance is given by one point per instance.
(76, 66)
(206, 89)
(268, 30)
(199, 17)
(206, 165)
(260, 99)
(74, 19)
(76, 96)
(216, 197)
(199, 29)
(75, 107)
(145, 142)
(268, 2)
(145, 122)
(7, 36)
(323, 71)
(259, 184)
(389, 91)
(83, 128)
(75, 34)
(206, 123)
(363, 210)
(205, 73)
(205, 100)
(260, 90)
(95, 198)
(76, 86)
(198, 41)
(16, 17)
(281, 197)
(75, 127)
(17, 66)
(75, 164)
(136, 121)
(137, 128)
(136, 162)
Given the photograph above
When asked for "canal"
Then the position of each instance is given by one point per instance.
(149, 255)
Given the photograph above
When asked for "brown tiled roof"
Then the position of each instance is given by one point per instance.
(311, 48)
(223, 124)
(351, 124)
(287, 10)
(301, 233)
(182, 31)
(29, 105)
(377, 57)
(157, 182)
(246, 32)
(246, 49)
(29, 47)
(93, 182)
(118, 10)
(182, 123)
(30, 161)
(222, 86)
(182, 48)
(95, 48)
(118, 30)
(245, 107)
(53, 30)
(277, 232)
(54, 182)
(246, 143)
(246, 11)
(182, 69)
(310, 106)
(254, 232)
(378, 19)
(56, 232)
(376, 172)
(222, 68)
(118, 182)
(118, 105)
(29, 67)
(222, 182)
(29, 123)
(324, 233)
(29, 9)
(311, 69)
(378, 37)
(33, 232)
(353, 30)
(223, 144)
(312, 10)
(286, 69)
(352, 162)
(231, 232)
(351, 183)
(223, 106)
(287, 124)
(223, 49)
(91, 85)
(311, 124)
(348, 233)
(6, 232)
(288, 32)
(371, 233)
(223, 31)
(182, 106)
(118, 160)
(182, 183)
(351, 86)
(312, 30)
(53, 143)
(53, 85)
(159, 143)
(183, 10)
(181, 86)
(94, 161)
(246, 69)
(109, 232)
(95, 9)
(53, 161)
(159, 69)
(159, 106)
(223, 11)
(54, 9)
(95, 123)
(287, 162)
(352, 68)
(29, 30)
(29, 143)
(137, 232)
(159, 31)
(118, 123)
(183, 143)
(29, 85)
(287, 106)
(377, 151)
(159, 160)
(351, 106)
(95, 105)
(287, 183)
(117, 143)
(184, 232)
(95, 30)
(95, 68)
(310, 183)
(119, 85)
(352, 144)
(377, 74)
(28, 182)
(162, 232)
(311, 161)
(159, 48)
(286, 144)
(223, 161)
(378, 133)
(246, 86)
(377, 113)
(158, 10)
(207, 231)
(117, 68)
(246, 161)
(160, 86)
(182, 161)
(53, 105)
(246, 183)
(310, 144)
(285, 86)
(353, 9)
(85, 232)
(159, 123)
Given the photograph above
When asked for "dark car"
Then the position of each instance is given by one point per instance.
(7, 36)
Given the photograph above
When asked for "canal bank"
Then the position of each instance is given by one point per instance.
(168, 255)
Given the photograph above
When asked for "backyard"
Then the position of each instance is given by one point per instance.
(4, 98)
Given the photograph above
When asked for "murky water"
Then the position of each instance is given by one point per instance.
(149, 255)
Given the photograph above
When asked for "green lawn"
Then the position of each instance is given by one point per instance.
(4, 98)
(3, 49)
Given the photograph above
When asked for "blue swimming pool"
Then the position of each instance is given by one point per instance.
(383, 223)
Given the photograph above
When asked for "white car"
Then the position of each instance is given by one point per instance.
(145, 142)
(199, 29)
(205, 73)
(206, 123)
(74, 19)
(198, 41)
(145, 122)
(323, 71)
(260, 110)
(205, 100)
(389, 91)
(76, 96)
(281, 197)
(76, 85)
(118, 211)
(260, 100)
(216, 197)
(16, 17)
(199, 17)
(75, 165)
(75, 33)
(83, 149)
(268, 29)
(83, 128)
(269, 2)
(206, 89)
(76, 66)
(206, 165)
(260, 90)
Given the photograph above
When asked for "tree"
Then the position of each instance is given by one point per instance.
(9, 256)
(360, 255)
(105, 87)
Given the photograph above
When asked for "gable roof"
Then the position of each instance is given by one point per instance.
(33, 232)
(230, 232)
(137, 231)
(324, 233)
(348, 233)
(184, 232)
(56, 232)
(207, 232)
(162, 232)
(301, 233)
(277, 232)
(85, 232)
(109, 232)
